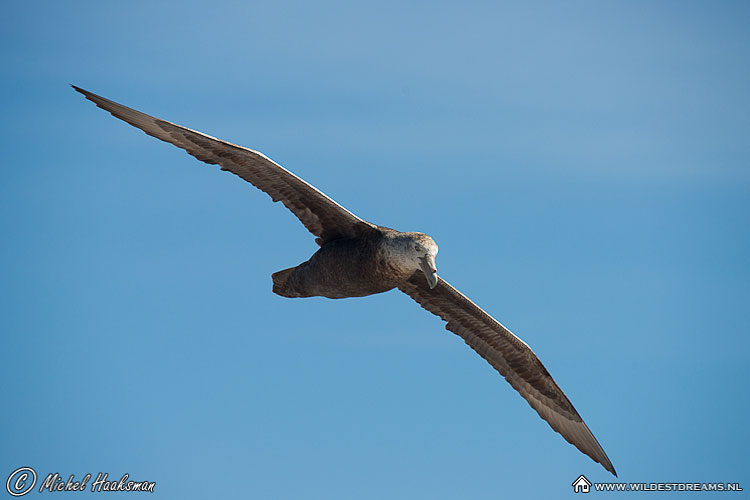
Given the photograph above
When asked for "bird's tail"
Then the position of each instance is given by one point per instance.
(281, 283)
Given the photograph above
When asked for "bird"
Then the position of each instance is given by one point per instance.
(357, 258)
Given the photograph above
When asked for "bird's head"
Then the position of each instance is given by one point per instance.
(422, 251)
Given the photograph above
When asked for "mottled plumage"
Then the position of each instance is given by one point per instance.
(345, 267)
(358, 258)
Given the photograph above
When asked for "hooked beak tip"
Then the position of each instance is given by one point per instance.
(428, 268)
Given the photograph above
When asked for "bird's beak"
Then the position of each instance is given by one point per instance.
(427, 263)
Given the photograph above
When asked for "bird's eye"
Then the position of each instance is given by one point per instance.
(416, 247)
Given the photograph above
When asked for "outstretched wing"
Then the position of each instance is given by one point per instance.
(322, 216)
(511, 357)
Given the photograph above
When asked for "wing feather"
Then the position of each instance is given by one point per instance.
(510, 356)
(322, 216)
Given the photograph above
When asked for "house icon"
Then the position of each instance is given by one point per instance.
(581, 485)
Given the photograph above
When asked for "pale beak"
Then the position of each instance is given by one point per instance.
(427, 263)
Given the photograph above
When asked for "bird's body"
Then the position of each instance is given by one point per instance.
(358, 258)
(373, 262)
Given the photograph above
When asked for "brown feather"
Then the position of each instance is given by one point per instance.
(322, 216)
(510, 356)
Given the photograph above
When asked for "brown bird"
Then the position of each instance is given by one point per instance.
(358, 258)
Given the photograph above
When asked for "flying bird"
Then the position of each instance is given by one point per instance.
(358, 258)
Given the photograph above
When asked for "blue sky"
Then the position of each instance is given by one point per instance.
(584, 168)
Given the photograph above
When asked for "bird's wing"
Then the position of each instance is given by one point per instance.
(511, 357)
(322, 216)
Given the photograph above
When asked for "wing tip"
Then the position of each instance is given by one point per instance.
(608, 465)
(80, 90)
(89, 95)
